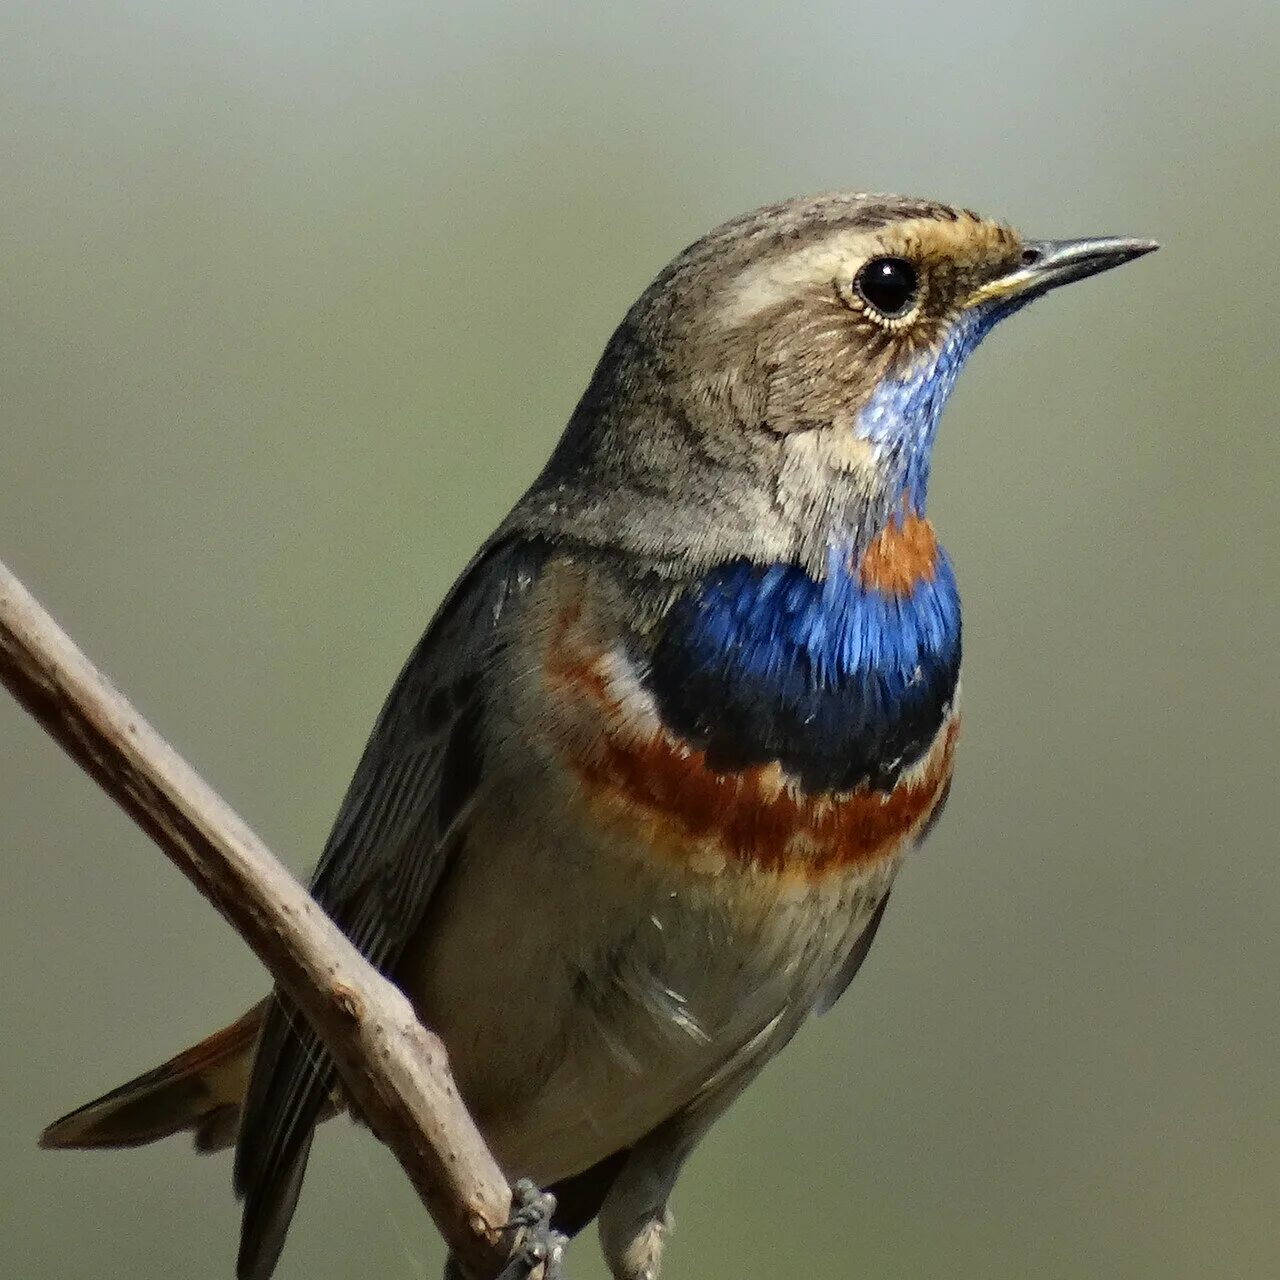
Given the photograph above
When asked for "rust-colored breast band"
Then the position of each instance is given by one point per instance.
(754, 816)
(661, 793)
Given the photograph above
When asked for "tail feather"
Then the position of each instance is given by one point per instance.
(199, 1090)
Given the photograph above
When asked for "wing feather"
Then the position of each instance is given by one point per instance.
(384, 857)
(848, 970)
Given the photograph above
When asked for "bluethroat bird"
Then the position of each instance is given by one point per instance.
(633, 807)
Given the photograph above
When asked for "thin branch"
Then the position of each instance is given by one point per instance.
(395, 1070)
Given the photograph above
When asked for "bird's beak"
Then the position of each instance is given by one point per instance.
(1048, 263)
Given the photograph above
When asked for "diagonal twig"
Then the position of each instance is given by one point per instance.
(395, 1070)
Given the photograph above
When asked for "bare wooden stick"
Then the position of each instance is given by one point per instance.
(396, 1070)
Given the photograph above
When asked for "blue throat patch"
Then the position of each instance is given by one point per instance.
(901, 417)
(841, 683)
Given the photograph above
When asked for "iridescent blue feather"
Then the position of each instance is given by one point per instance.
(840, 682)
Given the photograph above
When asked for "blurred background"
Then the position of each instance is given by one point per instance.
(294, 300)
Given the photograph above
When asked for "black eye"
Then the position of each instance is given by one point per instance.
(888, 285)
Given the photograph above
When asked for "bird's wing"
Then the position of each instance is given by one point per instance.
(839, 981)
(383, 859)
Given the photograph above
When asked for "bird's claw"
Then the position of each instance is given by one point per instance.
(538, 1249)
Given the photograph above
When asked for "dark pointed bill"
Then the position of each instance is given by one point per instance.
(1046, 264)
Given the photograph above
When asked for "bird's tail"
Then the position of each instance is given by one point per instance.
(201, 1090)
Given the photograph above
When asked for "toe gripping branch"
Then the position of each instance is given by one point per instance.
(538, 1248)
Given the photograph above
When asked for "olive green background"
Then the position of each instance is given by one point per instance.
(294, 299)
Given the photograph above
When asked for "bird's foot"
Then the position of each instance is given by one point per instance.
(538, 1252)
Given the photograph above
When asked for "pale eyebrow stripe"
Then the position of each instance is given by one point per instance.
(765, 284)
(774, 279)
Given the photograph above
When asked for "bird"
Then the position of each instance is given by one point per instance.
(633, 807)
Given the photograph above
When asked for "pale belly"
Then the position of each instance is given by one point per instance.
(626, 930)
(587, 991)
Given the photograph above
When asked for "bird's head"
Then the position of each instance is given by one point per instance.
(776, 390)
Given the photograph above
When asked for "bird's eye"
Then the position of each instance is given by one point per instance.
(888, 285)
